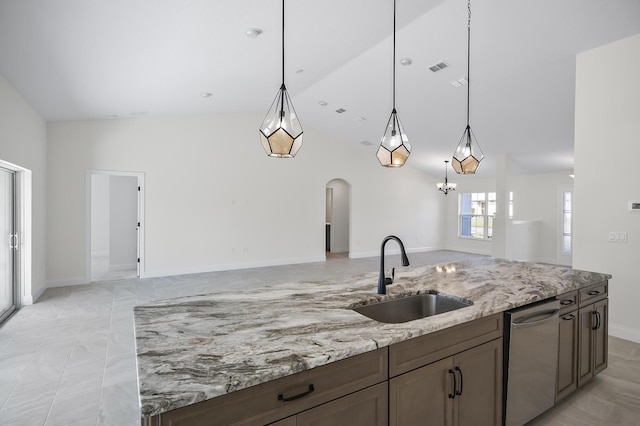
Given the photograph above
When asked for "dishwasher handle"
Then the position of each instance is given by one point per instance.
(523, 322)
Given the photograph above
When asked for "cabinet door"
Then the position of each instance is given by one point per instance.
(367, 407)
(567, 381)
(479, 401)
(585, 342)
(423, 396)
(600, 336)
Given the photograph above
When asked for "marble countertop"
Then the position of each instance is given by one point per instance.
(194, 348)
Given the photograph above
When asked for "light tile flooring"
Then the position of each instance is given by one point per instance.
(69, 359)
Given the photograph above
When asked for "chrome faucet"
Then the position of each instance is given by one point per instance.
(383, 281)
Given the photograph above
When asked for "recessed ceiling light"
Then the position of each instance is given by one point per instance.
(439, 66)
(300, 71)
(322, 103)
(406, 61)
(340, 110)
(111, 117)
(366, 143)
(360, 119)
(253, 32)
(206, 94)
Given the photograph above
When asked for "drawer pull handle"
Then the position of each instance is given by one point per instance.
(568, 317)
(298, 396)
(593, 292)
(566, 302)
(459, 392)
(455, 385)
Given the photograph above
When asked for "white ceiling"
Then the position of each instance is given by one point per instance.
(92, 59)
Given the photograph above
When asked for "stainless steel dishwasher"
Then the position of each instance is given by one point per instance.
(531, 361)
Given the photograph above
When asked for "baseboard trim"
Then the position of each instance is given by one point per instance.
(625, 333)
(67, 282)
(391, 250)
(231, 267)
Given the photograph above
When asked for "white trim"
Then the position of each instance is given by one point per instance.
(392, 251)
(625, 333)
(562, 259)
(141, 219)
(64, 282)
(233, 266)
(23, 218)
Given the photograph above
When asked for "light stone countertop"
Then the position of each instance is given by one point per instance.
(195, 348)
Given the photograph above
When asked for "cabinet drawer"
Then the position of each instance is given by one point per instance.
(593, 293)
(568, 301)
(414, 353)
(277, 399)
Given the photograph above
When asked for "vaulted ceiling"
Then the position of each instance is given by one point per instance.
(95, 59)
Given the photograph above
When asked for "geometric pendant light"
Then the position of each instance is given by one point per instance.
(394, 146)
(468, 154)
(281, 131)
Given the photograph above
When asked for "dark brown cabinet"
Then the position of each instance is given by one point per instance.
(288, 396)
(583, 336)
(567, 354)
(464, 389)
(593, 332)
(367, 407)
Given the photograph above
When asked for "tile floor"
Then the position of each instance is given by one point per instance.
(69, 359)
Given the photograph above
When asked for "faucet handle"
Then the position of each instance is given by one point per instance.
(388, 280)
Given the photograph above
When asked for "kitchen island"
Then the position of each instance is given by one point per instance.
(197, 348)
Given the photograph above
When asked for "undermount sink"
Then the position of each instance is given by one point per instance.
(411, 308)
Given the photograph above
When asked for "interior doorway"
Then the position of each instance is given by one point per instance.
(115, 225)
(337, 215)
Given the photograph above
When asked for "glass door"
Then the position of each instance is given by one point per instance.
(8, 244)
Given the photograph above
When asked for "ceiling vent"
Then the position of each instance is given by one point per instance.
(439, 66)
(340, 110)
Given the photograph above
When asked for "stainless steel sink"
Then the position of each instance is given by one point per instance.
(411, 308)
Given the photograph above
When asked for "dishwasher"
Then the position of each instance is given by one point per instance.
(531, 361)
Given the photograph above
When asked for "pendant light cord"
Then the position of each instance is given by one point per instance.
(394, 55)
(468, 59)
(283, 43)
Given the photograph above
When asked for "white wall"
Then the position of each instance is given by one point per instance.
(100, 196)
(535, 199)
(214, 200)
(23, 142)
(607, 149)
(339, 215)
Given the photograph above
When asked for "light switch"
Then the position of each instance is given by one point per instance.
(617, 237)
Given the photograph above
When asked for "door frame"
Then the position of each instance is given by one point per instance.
(141, 226)
(22, 225)
(562, 259)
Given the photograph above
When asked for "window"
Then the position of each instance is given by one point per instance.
(476, 212)
(566, 223)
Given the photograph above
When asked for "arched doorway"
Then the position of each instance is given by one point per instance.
(338, 206)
